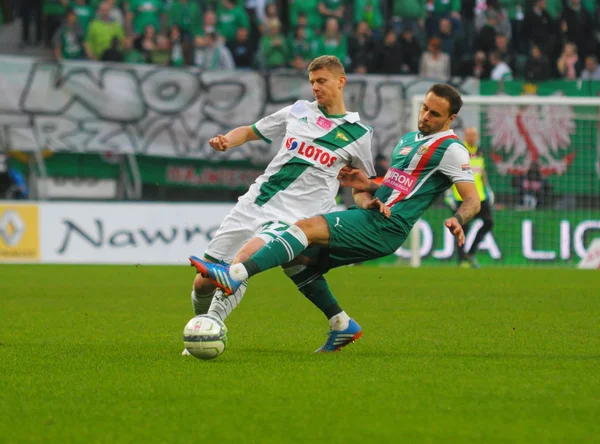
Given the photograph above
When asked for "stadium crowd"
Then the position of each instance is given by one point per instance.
(496, 39)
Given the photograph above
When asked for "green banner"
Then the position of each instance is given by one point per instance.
(228, 175)
(518, 238)
(560, 142)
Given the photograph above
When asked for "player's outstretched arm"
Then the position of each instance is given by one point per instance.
(236, 137)
(467, 210)
(357, 179)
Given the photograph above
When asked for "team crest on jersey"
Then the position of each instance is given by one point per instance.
(341, 135)
(422, 149)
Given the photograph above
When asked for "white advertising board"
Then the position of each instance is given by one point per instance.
(126, 233)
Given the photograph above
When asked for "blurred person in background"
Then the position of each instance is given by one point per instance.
(143, 13)
(274, 49)
(389, 54)
(178, 47)
(84, 12)
(361, 49)
(146, 43)
(508, 54)
(332, 9)
(452, 198)
(539, 27)
(130, 52)
(449, 40)
(500, 71)
(114, 53)
(54, 11)
(230, 17)
(569, 65)
(302, 47)
(411, 52)
(577, 25)
(591, 70)
(369, 11)
(537, 66)
(242, 49)
(310, 10)
(161, 54)
(211, 54)
(409, 14)
(68, 39)
(477, 67)
(101, 32)
(271, 13)
(208, 26)
(434, 63)
(31, 13)
(185, 14)
(333, 42)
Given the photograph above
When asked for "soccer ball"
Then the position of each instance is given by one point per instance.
(205, 337)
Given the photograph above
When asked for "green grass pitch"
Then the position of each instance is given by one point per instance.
(92, 354)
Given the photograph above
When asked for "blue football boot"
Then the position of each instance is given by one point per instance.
(337, 340)
(216, 273)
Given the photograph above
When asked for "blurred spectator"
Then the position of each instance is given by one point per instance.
(185, 14)
(579, 27)
(130, 53)
(274, 50)
(389, 54)
(591, 70)
(310, 8)
(533, 188)
(54, 11)
(68, 38)
(569, 65)
(143, 13)
(508, 54)
(448, 40)
(5, 181)
(515, 11)
(439, 9)
(408, 14)
(178, 47)
(101, 32)
(467, 13)
(30, 10)
(411, 52)
(500, 70)
(208, 26)
(333, 42)
(537, 67)
(539, 27)
(486, 38)
(116, 12)
(114, 53)
(212, 55)
(369, 11)
(495, 17)
(303, 48)
(303, 22)
(84, 13)
(161, 54)
(271, 12)
(434, 63)
(361, 49)
(230, 17)
(242, 49)
(146, 43)
(332, 9)
(477, 67)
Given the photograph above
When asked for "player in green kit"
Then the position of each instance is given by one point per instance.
(424, 165)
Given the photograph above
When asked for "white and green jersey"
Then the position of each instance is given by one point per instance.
(301, 180)
(422, 169)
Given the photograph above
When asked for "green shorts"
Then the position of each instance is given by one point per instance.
(357, 235)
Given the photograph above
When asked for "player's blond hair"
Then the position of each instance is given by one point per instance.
(328, 62)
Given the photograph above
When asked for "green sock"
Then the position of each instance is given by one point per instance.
(279, 251)
(313, 285)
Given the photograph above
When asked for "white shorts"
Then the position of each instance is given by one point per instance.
(243, 223)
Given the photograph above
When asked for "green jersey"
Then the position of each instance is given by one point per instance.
(84, 14)
(422, 169)
(146, 12)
